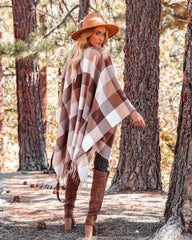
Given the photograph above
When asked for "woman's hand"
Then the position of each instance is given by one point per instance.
(137, 119)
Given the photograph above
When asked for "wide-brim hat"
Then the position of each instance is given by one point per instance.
(94, 20)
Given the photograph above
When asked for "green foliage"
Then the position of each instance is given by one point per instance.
(32, 48)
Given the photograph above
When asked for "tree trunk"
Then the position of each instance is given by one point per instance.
(1, 104)
(32, 153)
(83, 10)
(43, 87)
(178, 208)
(139, 162)
(179, 202)
(43, 81)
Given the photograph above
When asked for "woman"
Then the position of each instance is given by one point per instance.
(91, 105)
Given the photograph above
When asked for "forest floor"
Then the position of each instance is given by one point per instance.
(124, 215)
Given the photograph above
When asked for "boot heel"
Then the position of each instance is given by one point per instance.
(68, 223)
(88, 231)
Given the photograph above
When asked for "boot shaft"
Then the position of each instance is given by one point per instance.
(97, 194)
(70, 195)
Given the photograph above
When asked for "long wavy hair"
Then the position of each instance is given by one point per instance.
(76, 54)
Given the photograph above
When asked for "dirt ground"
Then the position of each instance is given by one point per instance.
(124, 215)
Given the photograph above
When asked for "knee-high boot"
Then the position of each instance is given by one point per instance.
(70, 197)
(97, 195)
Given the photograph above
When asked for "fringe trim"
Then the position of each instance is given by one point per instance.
(69, 169)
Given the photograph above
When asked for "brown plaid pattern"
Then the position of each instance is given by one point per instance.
(89, 111)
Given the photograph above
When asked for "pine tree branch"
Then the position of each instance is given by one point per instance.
(46, 13)
(184, 21)
(93, 8)
(37, 2)
(68, 11)
(8, 6)
(63, 21)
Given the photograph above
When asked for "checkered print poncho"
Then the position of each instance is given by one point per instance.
(89, 111)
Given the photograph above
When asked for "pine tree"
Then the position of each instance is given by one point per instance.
(83, 9)
(1, 103)
(32, 153)
(178, 209)
(139, 162)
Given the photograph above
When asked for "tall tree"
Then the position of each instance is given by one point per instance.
(83, 9)
(43, 79)
(178, 209)
(1, 102)
(32, 153)
(43, 87)
(139, 162)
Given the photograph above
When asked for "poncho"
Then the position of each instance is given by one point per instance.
(89, 110)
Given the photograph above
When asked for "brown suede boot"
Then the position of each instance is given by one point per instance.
(70, 197)
(97, 194)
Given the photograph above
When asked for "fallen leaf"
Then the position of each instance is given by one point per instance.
(16, 199)
(41, 225)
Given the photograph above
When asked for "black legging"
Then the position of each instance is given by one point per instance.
(100, 163)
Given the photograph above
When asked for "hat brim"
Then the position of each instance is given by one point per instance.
(112, 30)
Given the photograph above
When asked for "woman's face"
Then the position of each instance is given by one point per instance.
(97, 37)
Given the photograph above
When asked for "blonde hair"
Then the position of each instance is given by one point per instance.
(76, 54)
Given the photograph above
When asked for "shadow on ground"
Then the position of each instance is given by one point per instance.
(131, 216)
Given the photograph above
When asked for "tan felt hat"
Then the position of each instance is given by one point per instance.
(94, 20)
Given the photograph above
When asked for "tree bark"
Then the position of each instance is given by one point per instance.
(43, 87)
(139, 162)
(179, 202)
(43, 81)
(83, 10)
(1, 104)
(32, 152)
